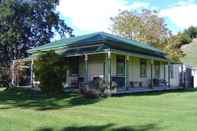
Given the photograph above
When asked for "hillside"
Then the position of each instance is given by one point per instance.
(190, 51)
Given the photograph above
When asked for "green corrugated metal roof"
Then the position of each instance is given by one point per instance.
(60, 43)
(93, 38)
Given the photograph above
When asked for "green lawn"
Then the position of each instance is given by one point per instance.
(23, 110)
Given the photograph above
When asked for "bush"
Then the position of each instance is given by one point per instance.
(89, 93)
(185, 38)
(50, 70)
(192, 32)
(114, 85)
(97, 88)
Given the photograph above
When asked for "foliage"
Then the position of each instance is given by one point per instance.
(25, 24)
(184, 38)
(172, 47)
(147, 26)
(50, 70)
(97, 88)
(5, 74)
(143, 26)
(94, 88)
(192, 32)
(19, 72)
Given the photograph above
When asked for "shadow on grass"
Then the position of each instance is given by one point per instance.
(151, 93)
(107, 127)
(25, 98)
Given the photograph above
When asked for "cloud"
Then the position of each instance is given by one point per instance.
(138, 5)
(94, 15)
(183, 14)
(184, 2)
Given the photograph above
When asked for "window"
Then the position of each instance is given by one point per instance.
(143, 70)
(120, 65)
(171, 71)
(157, 69)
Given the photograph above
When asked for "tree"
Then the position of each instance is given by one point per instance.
(184, 38)
(172, 46)
(50, 70)
(25, 24)
(192, 32)
(127, 24)
(145, 26)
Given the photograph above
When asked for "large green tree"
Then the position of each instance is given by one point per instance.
(192, 32)
(25, 24)
(172, 46)
(144, 25)
(147, 26)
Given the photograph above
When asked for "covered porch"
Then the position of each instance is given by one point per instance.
(132, 72)
(129, 70)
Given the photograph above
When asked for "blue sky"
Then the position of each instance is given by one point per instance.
(87, 16)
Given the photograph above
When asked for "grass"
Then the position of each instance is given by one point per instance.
(190, 53)
(27, 110)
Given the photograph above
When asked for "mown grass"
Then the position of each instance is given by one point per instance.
(27, 110)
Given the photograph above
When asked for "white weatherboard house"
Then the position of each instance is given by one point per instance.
(131, 64)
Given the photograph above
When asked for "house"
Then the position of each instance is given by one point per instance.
(129, 63)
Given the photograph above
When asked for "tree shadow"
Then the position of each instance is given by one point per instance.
(152, 93)
(108, 127)
(26, 98)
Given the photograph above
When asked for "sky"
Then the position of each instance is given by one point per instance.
(87, 16)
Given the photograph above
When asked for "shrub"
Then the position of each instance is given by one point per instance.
(185, 38)
(114, 85)
(97, 88)
(89, 93)
(50, 70)
(20, 73)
